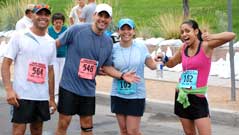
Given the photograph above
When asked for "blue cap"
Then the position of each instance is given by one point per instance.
(125, 21)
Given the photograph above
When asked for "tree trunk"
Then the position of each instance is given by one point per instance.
(185, 9)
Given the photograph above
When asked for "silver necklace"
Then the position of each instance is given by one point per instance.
(124, 58)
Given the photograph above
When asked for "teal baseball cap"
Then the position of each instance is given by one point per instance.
(126, 21)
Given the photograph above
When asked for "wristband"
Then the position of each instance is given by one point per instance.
(122, 75)
(165, 59)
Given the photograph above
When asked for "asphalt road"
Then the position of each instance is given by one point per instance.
(105, 123)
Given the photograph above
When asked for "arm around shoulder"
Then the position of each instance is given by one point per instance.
(58, 43)
(71, 20)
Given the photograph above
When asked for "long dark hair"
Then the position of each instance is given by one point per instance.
(194, 25)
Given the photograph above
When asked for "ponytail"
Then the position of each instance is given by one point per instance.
(199, 35)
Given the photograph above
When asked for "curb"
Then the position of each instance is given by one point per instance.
(162, 108)
(165, 109)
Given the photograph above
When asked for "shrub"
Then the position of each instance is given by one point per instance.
(204, 25)
(10, 13)
(168, 24)
(143, 31)
(68, 8)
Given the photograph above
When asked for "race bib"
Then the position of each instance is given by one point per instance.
(87, 69)
(125, 88)
(36, 72)
(189, 79)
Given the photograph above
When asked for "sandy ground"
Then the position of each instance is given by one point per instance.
(218, 97)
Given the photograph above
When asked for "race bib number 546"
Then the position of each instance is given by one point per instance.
(87, 69)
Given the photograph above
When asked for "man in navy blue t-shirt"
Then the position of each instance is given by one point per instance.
(88, 49)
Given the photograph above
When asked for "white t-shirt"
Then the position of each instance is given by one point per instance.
(23, 23)
(24, 48)
(75, 14)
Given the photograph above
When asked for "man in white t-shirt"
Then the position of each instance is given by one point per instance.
(76, 12)
(25, 21)
(31, 94)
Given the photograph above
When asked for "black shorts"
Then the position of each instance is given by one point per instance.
(133, 107)
(198, 107)
(70, 104)
(31, 111)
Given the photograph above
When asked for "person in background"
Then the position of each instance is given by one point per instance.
(88, 49)
(76, 12)
(26, 20)
(128, 99)
(195, 54)
(32, 93)
(88, 12)
(57, 28)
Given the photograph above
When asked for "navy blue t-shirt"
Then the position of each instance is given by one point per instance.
(82, 42)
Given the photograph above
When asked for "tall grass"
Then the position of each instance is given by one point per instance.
(11, 11)
(10, 14)
(61, 6)
(169, 24)
(142, 30)
(67, 9)
(205, 26)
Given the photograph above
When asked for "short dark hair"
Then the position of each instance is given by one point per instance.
(57, 16)
(27, 11)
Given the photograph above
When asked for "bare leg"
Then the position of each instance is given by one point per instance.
(86, 122)
(122, 123)
(36, 128)
(133, 125)
(188, 126)
(18, 129)
(63, 123)
(204, 126)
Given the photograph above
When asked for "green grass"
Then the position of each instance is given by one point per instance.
(59, 5)
(144, 12)
(11, 11)
(211, 11)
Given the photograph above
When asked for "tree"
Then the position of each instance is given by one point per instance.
(185, 9)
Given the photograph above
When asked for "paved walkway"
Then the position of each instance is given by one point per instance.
(105, 123)
(163, 89)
